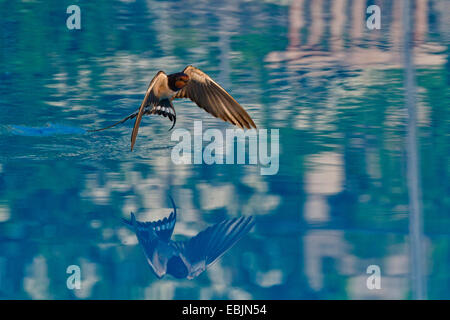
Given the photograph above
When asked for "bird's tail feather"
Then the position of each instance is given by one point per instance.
(131, 116)
(165, 109)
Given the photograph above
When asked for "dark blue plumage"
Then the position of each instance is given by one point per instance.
(187, 259)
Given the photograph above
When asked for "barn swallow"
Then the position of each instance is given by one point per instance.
(186, 259)
(193, 84)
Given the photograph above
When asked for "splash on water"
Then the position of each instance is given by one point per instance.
(48, 130)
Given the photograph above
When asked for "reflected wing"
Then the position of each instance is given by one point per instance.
(151, 236)
(151, 99)
(163, 229)
(209, 245)
(149, 241)
(209, 95)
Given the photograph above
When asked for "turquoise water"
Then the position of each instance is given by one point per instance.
(340, 202)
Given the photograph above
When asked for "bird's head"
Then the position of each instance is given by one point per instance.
(178, 80)
(181, 80)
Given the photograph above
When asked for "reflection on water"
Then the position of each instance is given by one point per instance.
(189, 258)
(339, 203)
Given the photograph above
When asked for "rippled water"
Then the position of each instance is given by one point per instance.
(311, 69)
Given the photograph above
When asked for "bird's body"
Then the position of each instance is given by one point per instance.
(191, 84)
(186, 259)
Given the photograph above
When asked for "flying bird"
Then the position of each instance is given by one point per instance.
(186, 259)
(193, 84)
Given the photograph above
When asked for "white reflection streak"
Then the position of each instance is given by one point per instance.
(317, 23)
(338, 25)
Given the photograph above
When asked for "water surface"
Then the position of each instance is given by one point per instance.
(311, 69)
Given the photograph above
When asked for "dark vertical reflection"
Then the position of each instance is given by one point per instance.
(226, 24)
(413, 177)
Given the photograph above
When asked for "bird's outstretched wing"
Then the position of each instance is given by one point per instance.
(211, 97)
(209, 245)
(151, 99)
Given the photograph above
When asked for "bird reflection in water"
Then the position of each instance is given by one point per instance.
(186, 259)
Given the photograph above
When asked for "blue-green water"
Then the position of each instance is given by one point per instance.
(339, 203)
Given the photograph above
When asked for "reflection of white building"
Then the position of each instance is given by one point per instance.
(351, 43)
(324, 177)
(322, 244)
